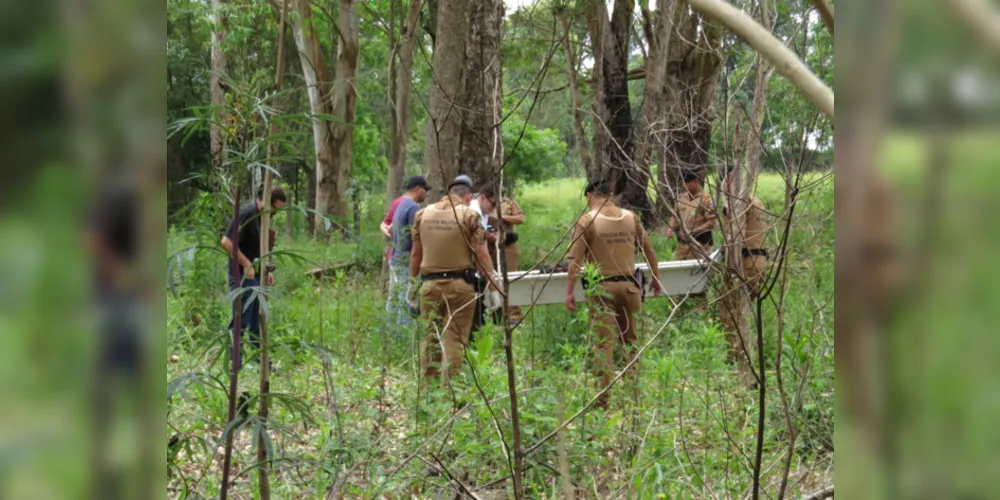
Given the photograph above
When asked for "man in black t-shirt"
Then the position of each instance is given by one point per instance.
(248, 255)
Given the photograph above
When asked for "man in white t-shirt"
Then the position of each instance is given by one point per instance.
(485, 205)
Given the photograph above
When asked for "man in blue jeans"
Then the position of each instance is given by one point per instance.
(399, 264)
(246, 232)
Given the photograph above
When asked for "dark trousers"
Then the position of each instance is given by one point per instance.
(249, 312)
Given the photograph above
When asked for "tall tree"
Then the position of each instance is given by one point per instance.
(651, 128)
(444, 125)
(481, 98)
(693, 67)
(337, 103)
(613, 133)
(401, 74)
(217, 82)
(333, 180)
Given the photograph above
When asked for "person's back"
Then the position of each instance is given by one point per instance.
(610, 234)
(448, 248)
(402, 229)
(401, 233)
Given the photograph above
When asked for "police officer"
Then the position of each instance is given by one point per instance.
(693, 220)
(750, 234)
(511, 215)
(609, 236)
(449, 247)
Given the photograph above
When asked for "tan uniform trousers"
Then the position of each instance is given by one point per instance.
(614, 321)
(731, 313)
(448, 306)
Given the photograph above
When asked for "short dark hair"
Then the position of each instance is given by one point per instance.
(460, 190)
(277, 194)
(488, 191)
(599, 186)
(691, 176)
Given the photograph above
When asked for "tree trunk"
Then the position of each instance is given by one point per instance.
(692, 79)
(595, 14)
(334, 181)
(612, 36)
(481, 97)
(651, 134)
(216, 84)
(444, 127)
(401, 100)
(574, 88)
(328, 182)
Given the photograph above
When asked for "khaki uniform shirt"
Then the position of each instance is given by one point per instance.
(755, 229)
(449, 233)
(695, 210)
(609, 237)
(509, 207)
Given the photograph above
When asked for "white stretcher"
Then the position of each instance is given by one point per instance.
(679, 277)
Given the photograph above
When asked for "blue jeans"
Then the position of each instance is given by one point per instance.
(395, 304)
(250, 310)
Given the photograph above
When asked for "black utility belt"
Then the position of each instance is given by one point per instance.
(468, 275)
(754, 251)
(612, 279)
(704, 237)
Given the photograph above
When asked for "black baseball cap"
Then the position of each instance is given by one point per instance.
(595, 184)
(418, 181)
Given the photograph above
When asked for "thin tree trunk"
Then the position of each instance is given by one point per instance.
(444, 128)
(264, 472)
(574, 87)
(235, 361)
(216, 85)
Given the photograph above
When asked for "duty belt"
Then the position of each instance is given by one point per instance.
(611, 279)
(754, 251)
(465, 274)
(705, 238)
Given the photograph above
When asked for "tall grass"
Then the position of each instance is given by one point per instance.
(356, 428)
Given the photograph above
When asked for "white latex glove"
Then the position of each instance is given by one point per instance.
(411, 296)
(492, 300)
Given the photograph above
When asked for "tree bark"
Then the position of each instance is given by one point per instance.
(333, 182)
(595, 14)
(629, 179)
(574, 88)
(403, 85)
(216, 84)
(481, 98)
(651, 133)
(444, 127)
(692, 79)
(332, 164)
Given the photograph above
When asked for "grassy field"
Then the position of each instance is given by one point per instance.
(349, 410)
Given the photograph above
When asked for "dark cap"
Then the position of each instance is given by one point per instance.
(595, 184)
(464, 180)
(417, 181)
